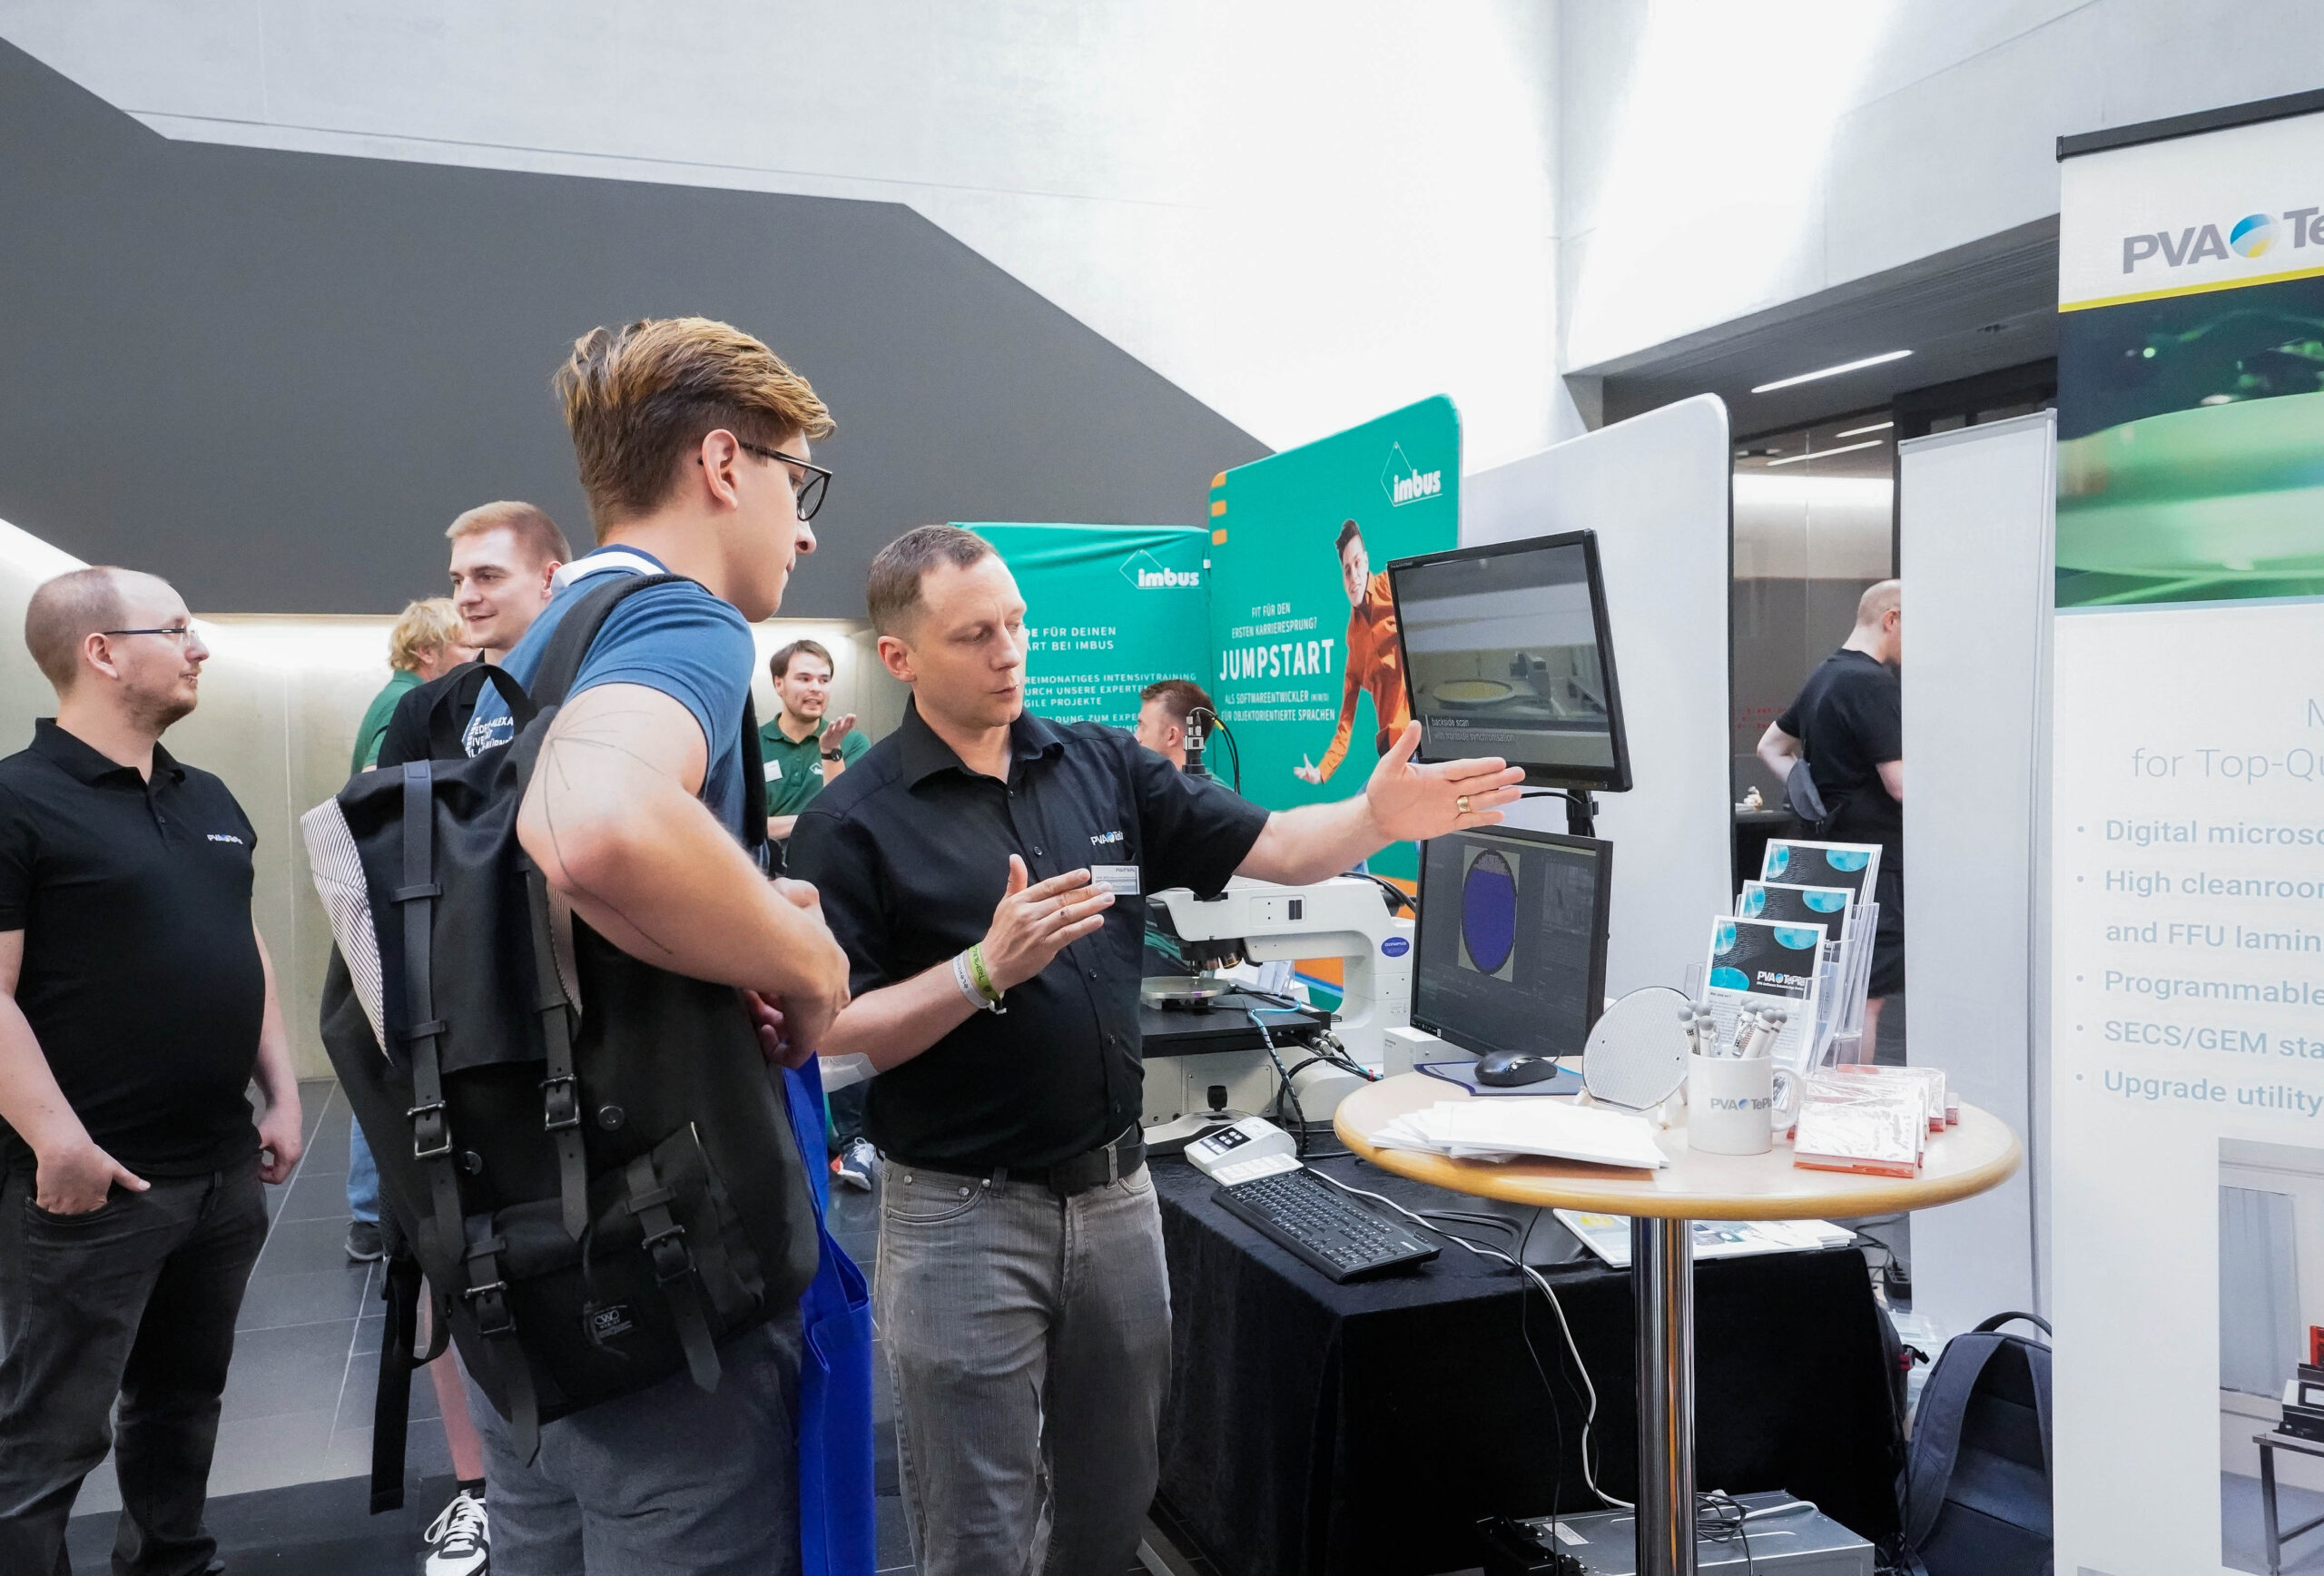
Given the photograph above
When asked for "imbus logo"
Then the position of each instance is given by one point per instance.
(1404, 484)
(1141, 570)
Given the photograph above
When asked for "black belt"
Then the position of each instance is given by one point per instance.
(1107, 1163)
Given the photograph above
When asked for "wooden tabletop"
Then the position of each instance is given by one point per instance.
(1959, 1163)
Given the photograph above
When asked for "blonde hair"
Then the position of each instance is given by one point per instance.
(427, 627)
(638, 400)
(535, 532)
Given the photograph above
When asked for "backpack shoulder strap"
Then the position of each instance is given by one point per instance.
(576, 631)
(427, 722)
(1936, 1429)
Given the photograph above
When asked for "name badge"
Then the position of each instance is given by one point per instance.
(775, 771)
(1121, 880)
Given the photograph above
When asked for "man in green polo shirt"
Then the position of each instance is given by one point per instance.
(801, 750)
(802, 753)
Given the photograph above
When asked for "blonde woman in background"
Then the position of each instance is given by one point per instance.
(424, 646)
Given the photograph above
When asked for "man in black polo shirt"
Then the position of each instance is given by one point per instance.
(970, 864)
(1848, 724)
(136, 1002)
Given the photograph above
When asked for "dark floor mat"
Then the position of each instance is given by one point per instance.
(309, 1530)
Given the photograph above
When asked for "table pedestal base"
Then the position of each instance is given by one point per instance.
(1662, 1280)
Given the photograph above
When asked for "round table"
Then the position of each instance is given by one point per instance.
(1980, 1153)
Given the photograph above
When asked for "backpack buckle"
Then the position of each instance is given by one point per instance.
(667, 1248)
(431, 1139)
(489, 1305)
(560, 1103)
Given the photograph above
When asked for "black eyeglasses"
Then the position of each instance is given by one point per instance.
(174, 631)
(810, 492)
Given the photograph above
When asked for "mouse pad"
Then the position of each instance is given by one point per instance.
(1464, 1073)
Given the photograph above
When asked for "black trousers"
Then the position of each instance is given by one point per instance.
(137, 1299)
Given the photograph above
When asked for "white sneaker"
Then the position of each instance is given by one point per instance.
(857, 1164)
(459, 1540)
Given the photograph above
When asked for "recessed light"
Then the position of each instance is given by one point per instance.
(1831, 371)
(1827, 453)
(1860, 431)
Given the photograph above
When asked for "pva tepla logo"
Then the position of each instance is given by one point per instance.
(2250, 236)
(1141, 570)
(1405, 482)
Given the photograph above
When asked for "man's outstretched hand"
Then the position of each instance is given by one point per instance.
(1412, 804)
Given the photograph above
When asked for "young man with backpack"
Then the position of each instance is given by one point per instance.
(693, 443)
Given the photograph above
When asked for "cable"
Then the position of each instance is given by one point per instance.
(1397, 896)
(1588, 1469)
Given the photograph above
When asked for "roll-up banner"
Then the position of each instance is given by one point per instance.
(1108, 610)
(2188, 842)
(1306, 669)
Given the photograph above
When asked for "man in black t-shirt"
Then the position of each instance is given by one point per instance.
(1847, 723)
(136, 1004)
(971, 863)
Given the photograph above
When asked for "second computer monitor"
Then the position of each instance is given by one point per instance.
(1508, 650)
(1511, 940)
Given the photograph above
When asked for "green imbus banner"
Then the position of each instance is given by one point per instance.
(1304, 662)
(1108, 609)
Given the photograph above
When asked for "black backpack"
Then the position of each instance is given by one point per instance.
(587, 1155)
(1975, 1490)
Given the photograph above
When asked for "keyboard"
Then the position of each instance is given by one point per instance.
(1344, 1238)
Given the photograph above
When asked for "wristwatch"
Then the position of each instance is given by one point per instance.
(831, 755)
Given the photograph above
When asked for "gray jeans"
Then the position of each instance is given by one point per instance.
(135, 1300)
(665, 1481)
(1028, 1339)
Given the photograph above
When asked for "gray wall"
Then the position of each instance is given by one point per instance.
(274, 378)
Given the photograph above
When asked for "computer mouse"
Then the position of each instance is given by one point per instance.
(1503, 1069)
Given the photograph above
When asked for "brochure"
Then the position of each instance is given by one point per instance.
(1796, 905)
(1760, 963)
(1853, 865)
(1609, 1236)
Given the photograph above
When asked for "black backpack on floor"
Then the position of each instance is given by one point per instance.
(1977, 1488)
(587, 1154)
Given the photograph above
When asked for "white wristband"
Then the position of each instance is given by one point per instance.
(968, 991)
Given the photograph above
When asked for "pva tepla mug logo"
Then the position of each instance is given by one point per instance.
(1405, 482)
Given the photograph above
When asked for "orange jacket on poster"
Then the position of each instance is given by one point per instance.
(1375, 665)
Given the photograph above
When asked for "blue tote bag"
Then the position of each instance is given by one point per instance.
(837, 1535)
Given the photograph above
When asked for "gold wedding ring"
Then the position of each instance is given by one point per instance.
(1463, 802)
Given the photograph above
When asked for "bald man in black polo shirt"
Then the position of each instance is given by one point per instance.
(136, 1003)
(970, 864)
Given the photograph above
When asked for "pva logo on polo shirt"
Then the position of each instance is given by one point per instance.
(1099, 838)
(1146, 572)
(1405, 483)
(227, 837)
(2250, 236)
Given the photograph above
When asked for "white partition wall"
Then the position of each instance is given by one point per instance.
(1975, 508)
(1655, 489)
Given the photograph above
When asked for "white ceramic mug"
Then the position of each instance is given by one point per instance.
(1730, 1104)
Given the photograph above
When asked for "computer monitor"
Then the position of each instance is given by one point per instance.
(1511, 942)
(1507, 652)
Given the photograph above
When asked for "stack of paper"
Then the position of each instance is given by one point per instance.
(1609, 1236)
(1511, 1129)
(1877, 1126)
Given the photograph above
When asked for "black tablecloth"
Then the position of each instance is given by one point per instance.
(1319, 1429)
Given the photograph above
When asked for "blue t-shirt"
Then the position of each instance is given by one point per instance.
(678, 639)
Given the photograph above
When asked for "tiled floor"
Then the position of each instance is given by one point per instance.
(298, 1404)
